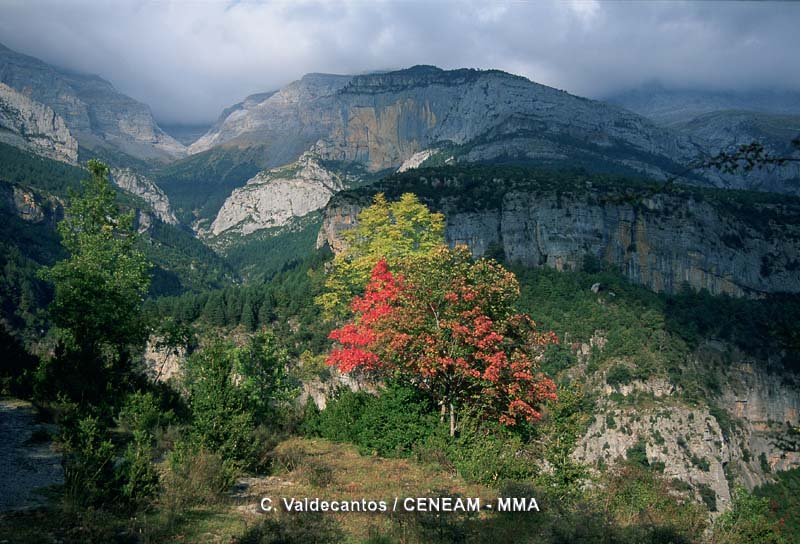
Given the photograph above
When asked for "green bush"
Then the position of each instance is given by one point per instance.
(137, 474)
(619, 375)
(339, 421)
(389, 424)
(489, 454)
(637, 454)
(141, 412)
(194, 477)
(708, 496)
(748, 521)
(395, 421)
(88, 462)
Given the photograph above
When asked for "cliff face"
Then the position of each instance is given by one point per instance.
(381, 120)
(30, 125)
(95, 112)
(274, 197)
(662, 241)
(746, 432)
(144, 187)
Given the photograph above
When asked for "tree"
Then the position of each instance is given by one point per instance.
(263, 365)
(447, 325)
(221, 420)
(99, 290)
(388, 230)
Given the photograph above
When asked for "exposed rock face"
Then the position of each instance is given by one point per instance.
(662, 241)
(95, 112)
(416, 160)
(745, 433)
(687, 440)
(284, 120)
(730, 129)
(144, 187)
(30, 125)
(274, 197)
(30, 206)
(766, 406)
(381, 120)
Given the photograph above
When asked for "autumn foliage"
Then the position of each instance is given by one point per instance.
(446, 324)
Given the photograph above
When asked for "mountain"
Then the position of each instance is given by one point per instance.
(97, 115)
(30, 125)
(426, 116)
(674, 106)
(381, 120)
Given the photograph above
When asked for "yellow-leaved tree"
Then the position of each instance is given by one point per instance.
(390, 230)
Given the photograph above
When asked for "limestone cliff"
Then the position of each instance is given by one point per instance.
(274, 197)
(30, 125)
(745, 433)
(725, 242)
(94, 111)
(144, 187)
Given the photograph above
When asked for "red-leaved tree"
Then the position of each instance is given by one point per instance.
(447, 324)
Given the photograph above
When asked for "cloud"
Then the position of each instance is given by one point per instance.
(190, 59)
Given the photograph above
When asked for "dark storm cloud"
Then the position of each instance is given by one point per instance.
(190, 59)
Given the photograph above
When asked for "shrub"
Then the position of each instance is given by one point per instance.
(708, 496)
(141, 412)
(339, 421)
(619, 375)
(637, 454)
(489, 454)
(137, 474)
(88, 462)
(395, 421)
(194, 477)
(747, 521)
(221, 420)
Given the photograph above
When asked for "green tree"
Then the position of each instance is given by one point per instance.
(746, 522)
(99, 290)
(221, 421)
(390, 230)
(263, 365)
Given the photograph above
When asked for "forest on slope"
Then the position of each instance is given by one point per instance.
(147, 460)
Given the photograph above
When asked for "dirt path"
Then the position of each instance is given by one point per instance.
(28, 462)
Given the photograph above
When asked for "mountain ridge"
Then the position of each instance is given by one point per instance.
(96, 113)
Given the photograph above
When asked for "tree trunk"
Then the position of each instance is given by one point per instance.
(452, 420)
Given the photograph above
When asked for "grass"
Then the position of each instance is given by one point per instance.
(304, 468)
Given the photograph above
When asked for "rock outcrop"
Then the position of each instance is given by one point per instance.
(30, 125)
(707, 240)
(144, 187)
(96, 114)
(274, 197)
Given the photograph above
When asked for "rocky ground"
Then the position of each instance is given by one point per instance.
(28, 462)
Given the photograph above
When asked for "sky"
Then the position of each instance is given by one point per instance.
(189, 59)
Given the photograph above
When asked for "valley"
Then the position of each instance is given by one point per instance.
(658, 297)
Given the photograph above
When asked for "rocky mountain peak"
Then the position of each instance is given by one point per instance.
(95, 112)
